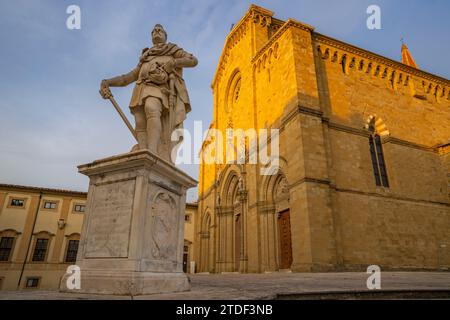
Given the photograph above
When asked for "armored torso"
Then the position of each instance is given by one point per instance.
(153, 80)
(152, 72)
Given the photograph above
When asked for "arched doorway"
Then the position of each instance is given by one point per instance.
(274, 224)
(281, 198)
(232, 222)
(205, 243)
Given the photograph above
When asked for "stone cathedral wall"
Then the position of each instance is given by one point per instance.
(323, 94)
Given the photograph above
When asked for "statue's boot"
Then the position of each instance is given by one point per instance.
(141, 136)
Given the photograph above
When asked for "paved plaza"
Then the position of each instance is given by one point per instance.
(271, 286)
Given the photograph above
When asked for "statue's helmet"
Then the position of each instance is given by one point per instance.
(159, 35)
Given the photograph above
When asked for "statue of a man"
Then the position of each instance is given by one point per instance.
(160, 99)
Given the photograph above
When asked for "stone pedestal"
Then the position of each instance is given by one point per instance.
(133, 232)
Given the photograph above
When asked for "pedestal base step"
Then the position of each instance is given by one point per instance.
(129, 283)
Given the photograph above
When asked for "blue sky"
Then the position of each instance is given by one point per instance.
(52, 118)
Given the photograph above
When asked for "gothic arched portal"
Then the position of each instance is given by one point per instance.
(231, 222)
(276, 224)
(281, 192)
(205, 242)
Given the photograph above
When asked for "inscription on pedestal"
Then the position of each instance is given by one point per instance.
(110, 220)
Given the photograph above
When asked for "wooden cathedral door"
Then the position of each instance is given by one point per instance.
(284, 223)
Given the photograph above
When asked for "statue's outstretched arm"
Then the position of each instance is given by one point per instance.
(123, 80)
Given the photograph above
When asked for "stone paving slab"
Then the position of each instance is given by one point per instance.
(266, 286)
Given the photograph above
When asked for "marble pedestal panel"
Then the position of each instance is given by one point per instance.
(133, 232)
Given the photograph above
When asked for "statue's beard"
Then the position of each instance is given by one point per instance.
(158, 40)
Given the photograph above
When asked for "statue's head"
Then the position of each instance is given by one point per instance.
(159, 35)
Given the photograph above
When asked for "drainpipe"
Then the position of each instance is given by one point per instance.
(29, 242)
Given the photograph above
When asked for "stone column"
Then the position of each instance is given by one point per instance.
(244, 257)
(133, 232)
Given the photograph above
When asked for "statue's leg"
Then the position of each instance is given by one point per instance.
(141, 128)
(153, 108)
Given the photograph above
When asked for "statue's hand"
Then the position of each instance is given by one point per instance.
(104, 90)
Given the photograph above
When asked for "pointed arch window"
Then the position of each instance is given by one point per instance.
(377, 156)
(233, 91)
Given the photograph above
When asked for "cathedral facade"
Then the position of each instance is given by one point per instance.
(363, 176)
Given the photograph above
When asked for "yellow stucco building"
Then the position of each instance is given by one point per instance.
(364, 157)
(188, 252)
(39, 233)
